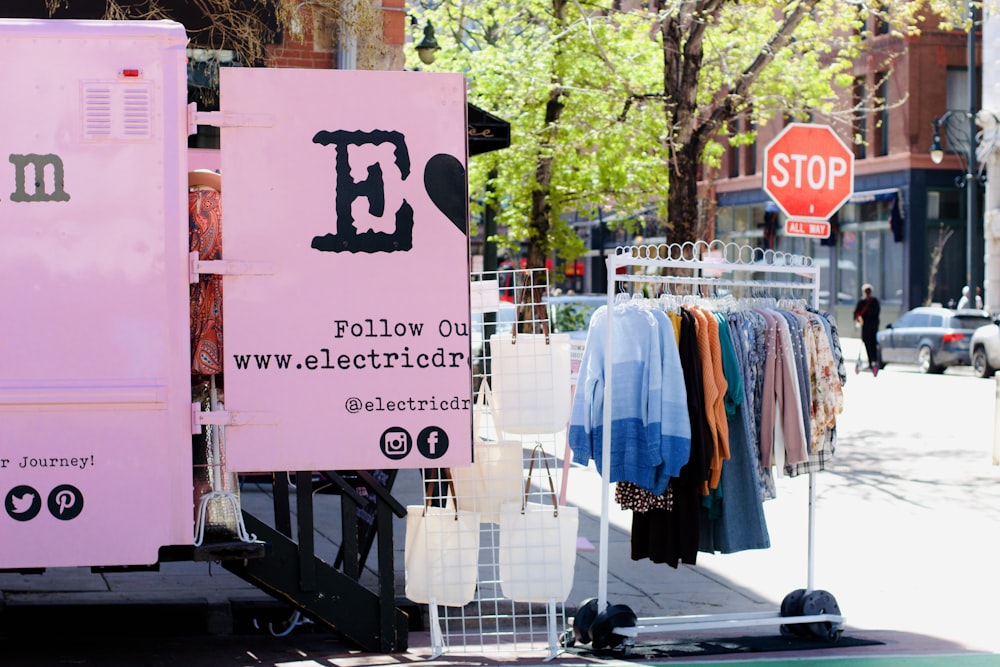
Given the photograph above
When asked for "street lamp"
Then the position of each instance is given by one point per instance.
(970, 180)
(427, 47)
(937, 153)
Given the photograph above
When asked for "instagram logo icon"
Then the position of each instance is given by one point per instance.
(396, 443)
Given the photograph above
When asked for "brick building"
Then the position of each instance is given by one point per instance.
(906, 209)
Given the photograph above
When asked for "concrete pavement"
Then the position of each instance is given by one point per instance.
(906, 539)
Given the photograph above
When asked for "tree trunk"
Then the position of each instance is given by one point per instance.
(682, 200)
(541, 210)
(691, 127)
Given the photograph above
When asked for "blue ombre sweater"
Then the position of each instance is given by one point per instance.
(650, 426)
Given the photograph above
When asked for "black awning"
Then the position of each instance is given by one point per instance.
(897, 220)
(486, 131)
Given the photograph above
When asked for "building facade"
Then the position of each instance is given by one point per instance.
(905, 229)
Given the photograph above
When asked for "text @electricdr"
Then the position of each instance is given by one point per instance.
(355, 405)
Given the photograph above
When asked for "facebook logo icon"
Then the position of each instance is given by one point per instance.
(432, 442)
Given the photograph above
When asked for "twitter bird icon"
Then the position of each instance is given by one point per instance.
(22, 503)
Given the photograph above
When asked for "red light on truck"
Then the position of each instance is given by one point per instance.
(131, 73)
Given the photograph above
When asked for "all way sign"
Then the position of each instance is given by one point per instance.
(812, 228)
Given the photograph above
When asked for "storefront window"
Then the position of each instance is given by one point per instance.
(892, 269)
(741, 219)
(848, 282)
(946, 239)
(796, 245)
(868, 253)
(740, 224)
(724, 222)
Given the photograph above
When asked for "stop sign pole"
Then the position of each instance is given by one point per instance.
(809, 173)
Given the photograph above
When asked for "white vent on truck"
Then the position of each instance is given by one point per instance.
(114, 111)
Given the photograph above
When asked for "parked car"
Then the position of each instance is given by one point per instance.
(985, 349)
(933, 338)
(570, 313)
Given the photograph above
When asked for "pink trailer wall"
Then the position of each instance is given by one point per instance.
(347, 334)
(95, 446)
(346, 288)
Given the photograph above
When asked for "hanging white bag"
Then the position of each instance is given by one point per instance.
(441, 553)
(537, 552)
(531, 381)
(497, 470)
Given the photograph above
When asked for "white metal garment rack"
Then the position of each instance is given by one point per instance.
(712, 265)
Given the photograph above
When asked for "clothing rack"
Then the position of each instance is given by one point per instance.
(711, 264)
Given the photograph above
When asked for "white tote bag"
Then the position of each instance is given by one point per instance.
(537, 553)
(531, 381)
(441, 554)
(495, 475)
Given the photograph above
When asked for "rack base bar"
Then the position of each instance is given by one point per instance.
(720, 621)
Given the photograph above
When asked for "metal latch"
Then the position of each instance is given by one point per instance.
(225, 119)
(201, 418)
(227, 267)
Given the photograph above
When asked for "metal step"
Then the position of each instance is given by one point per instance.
(369, 619)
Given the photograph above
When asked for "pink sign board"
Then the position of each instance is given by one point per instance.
(95, 448)
(347, 310)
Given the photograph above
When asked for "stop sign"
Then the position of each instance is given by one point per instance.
(808, 171)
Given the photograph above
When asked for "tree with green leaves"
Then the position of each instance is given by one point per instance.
(624, 107)
(621, 105)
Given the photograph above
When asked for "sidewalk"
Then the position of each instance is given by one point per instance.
(189, 598)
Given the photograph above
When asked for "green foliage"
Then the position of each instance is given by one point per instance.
(570, 317)
(614, 143)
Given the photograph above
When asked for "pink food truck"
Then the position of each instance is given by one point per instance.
(344, 277)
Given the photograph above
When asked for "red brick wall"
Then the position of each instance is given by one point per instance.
(308, 47)
(919, 80)
(393, 22)
(313, 45)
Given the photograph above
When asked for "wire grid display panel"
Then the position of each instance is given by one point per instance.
(510, 305)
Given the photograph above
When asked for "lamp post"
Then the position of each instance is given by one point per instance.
(969, 180)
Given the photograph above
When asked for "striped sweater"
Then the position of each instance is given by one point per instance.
(650, 427)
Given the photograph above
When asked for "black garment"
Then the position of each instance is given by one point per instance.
(868, 310)
(671, 536)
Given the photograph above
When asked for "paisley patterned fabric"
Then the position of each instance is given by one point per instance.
(205, 233)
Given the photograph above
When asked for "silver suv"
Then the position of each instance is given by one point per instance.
(985, 350)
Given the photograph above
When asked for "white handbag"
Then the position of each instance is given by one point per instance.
(441, 554)
(531, 381)
(537, 552)
(497, 470)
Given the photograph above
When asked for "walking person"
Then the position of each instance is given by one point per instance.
(965, 302)
(866, 315)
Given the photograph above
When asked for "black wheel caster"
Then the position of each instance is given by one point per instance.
(792, 606)
(584, 618)
(602, 630)
(821, 602)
